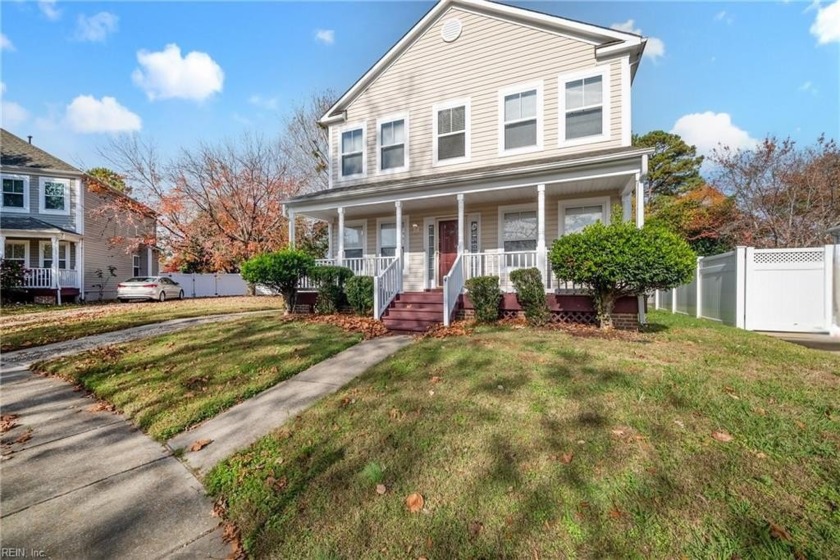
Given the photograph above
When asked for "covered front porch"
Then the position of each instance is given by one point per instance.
(455, 232)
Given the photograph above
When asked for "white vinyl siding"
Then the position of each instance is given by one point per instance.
(15, 193)
(584, 107)
(353, 151)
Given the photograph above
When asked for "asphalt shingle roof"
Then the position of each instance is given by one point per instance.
(20, 153)
(28, 223)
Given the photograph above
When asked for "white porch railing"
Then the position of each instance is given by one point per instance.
(368, 266)
(43, 278)
(386, 286)
(498, 264)
(453, 285)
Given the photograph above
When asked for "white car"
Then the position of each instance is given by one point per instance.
(158, 288)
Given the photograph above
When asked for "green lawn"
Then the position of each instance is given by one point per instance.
(536, 444)
(172, 382)
(38, 326)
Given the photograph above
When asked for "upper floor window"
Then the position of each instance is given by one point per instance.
(521, 118)
(15, 193)
(393, 155)
(353, 151)
(584, 107)
(451, 132)
(55, 196)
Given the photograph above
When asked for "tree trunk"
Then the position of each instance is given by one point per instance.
(604, 303)
(289, 300)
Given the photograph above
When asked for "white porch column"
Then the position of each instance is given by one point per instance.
(627, 206)
(541, 254)
(56, 284)
(290, 214)
(329, 240)
(640, 201)
(460, 198)
(399, 248)
(149, 270)
(80, 268)
(340, 254)
(2, 246)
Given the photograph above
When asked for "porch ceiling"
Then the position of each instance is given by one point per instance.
(447, 202)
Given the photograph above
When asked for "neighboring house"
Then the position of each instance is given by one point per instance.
(65, 229)
(484, 134)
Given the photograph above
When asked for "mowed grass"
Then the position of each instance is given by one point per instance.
(26, 329)
(536, 444)
(172, 382)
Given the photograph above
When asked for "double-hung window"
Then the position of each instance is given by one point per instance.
(519, 230)
(353, 152)
(393, 153)
(55, 196)
(575, 215)
(521, 119)
(354, 241)
(387, 239)
(452, 132)
(135, 265)
(584, 107)
(15, 251)
(47, 255)
(15, 193)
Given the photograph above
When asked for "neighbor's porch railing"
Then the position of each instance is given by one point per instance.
(43, 278)
(453, 285)
(386, 286)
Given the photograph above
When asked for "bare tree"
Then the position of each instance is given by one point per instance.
(788, 196)
(306, 143)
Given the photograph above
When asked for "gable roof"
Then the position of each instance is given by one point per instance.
(17, 152)
(28, 223)
(605, 40)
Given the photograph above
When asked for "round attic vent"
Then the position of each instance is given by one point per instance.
(451, 30)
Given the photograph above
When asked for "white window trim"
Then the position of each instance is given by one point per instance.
(451, 104)
(25, 250)
(601, 70)
(355, 126)
(385, 120)
(136, 258)
(42, 196)
(25, 179)
(603, 201)
(354, 223)
(63, 246)
(521, 88)
(527, 207)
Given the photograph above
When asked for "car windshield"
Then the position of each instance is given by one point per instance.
(142, 279)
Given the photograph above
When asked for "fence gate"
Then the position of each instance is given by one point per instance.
(786, 289)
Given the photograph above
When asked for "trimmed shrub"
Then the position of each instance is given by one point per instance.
(485, 295)
(280, 271)
(622, 260)
(359, 292)
(530, 292)
(330, 281)
(12, 276)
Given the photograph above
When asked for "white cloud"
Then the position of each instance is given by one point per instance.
(166, 74)
(826, 26)
(49, 10)
(325, 36)
(268, 103)
(86, 114)
(6, 43)
(2, 88)
(708, 130)
(655, 48)
(96, 28)
(12, 114)
(725, 17)
(808, 87)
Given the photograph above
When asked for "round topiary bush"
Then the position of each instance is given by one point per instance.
(485, 295)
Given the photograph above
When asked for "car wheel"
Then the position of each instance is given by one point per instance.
(121, 300)
(181, 294)
(162, 297)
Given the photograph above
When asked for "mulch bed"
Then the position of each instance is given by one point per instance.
(367, 326)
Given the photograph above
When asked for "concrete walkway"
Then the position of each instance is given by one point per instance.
(246, 422)
(81, 483)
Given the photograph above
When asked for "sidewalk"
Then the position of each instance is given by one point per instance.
(246, 422)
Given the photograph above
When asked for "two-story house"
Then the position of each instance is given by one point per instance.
(484, 134)
(63, 227)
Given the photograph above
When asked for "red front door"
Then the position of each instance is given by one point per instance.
(447, 247)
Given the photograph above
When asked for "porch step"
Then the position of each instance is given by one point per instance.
(414, 312)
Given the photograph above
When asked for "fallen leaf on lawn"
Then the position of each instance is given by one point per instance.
(394, 414)
(679, 423)
(414, 502)
(616, 513)
(618, 432)
(800, 425)
(200, 444)
(436, 379)
(100, 407)
(476, 528)
(722, 436)
(277, 483)
(24, 437)
(761, 455)
(381, 489)
(779, 532)
(7, 422)
(431, 393)
(566, 458)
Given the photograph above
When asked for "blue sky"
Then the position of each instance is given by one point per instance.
(75, 72)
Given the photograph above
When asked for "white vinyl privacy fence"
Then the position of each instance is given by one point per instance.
(762, 289)
(210, 285)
